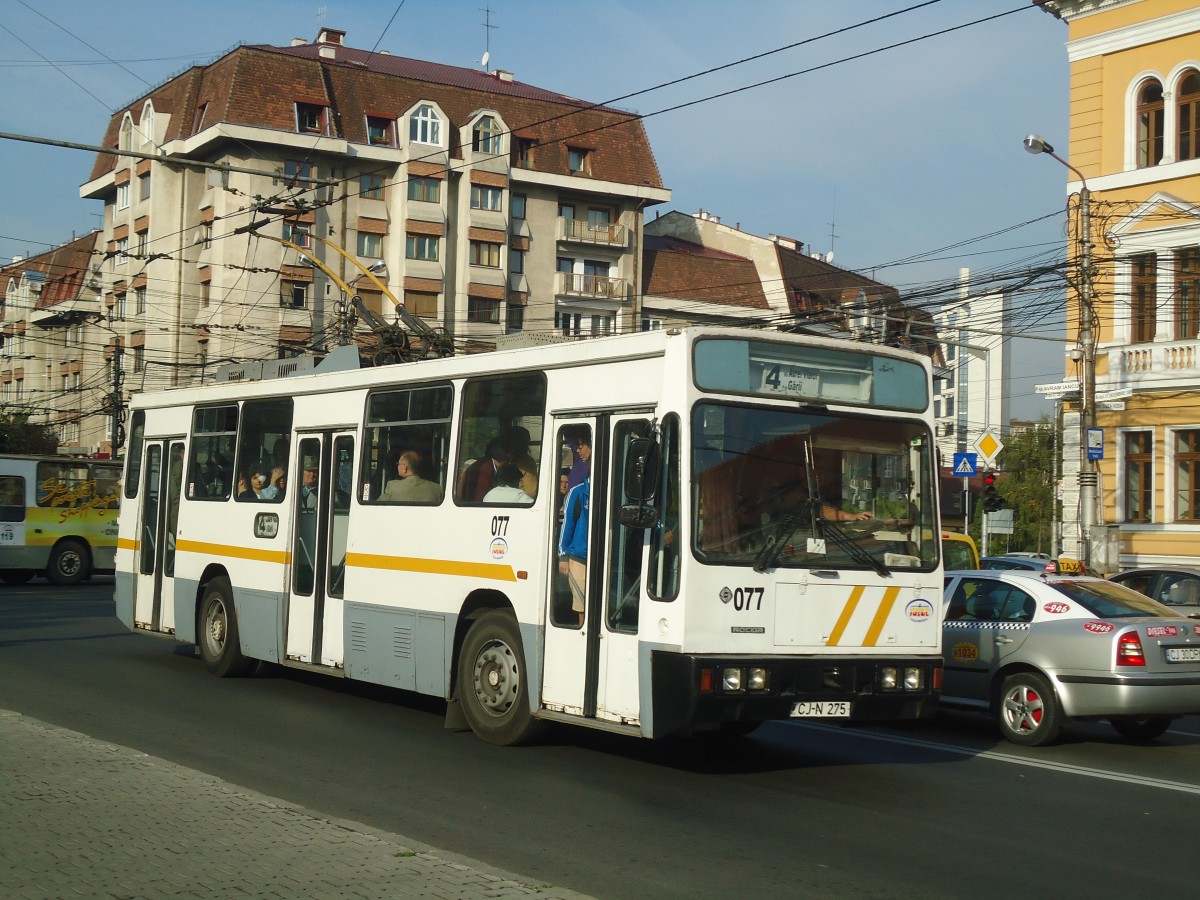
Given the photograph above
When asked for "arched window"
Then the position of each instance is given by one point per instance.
(1189, 116)
(1150, 124)
(147, 126)
(424, 126)
(486, 136)
(126, 134)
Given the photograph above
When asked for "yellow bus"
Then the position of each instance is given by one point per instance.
(58, 517)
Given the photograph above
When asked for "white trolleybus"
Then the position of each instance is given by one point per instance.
(654, 534)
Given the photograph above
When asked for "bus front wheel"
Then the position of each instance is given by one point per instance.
(218, 631)
(69, 563)
(491, 681)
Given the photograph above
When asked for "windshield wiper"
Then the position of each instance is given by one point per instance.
(852, 547)
(769, 555)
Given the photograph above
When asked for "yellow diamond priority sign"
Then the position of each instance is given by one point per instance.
(989, 446)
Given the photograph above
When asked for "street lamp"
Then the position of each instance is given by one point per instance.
(1088, 477)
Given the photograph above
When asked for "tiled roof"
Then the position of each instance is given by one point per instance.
(686, 271)
(64, 269)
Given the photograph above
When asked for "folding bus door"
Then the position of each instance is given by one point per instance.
(314, 615)
(158, 524)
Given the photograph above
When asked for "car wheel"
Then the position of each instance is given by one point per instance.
(1141, 729)
(491, 681)
(1028, 712)
(220, 647)
(69, 563)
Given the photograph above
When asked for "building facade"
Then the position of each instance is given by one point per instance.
(1134, 143)
(487, 206)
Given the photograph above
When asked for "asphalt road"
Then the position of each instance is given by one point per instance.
(948, 810)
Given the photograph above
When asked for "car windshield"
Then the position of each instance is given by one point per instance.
(1110, 601)
(782, 487)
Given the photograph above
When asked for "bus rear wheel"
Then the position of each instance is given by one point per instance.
(217, 633)
(69, 563)
(491, 681)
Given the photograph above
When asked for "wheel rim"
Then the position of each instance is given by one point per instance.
(497, 679)
(1024, 709)
(69, 563)
(216, 627)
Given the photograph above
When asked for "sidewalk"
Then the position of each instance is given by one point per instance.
(82, 818)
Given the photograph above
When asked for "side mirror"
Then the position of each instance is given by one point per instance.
(642, 462)
(638, 516)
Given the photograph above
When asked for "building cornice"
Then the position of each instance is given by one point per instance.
(1143, 33)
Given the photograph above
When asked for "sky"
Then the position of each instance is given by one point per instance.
(893, 147)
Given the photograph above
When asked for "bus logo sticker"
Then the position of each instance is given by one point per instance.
(499, 548)
(919, 610)
(726, 595)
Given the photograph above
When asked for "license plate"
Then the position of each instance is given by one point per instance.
(1179, 654)
(821, 709)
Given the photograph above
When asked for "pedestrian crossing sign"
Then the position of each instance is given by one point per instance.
(964, 464)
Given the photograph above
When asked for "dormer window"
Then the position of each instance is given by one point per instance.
(425, 126)
(147, 126)
(310, 118)
(126, 133)
(485, 138)
(577, 159)
(379, 131)
(524, 152)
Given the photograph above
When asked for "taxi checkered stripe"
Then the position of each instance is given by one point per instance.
(990, 626)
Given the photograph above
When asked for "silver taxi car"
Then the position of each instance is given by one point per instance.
(1041, 649)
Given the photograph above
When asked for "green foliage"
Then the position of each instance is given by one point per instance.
(1028, 464)
(17, 435)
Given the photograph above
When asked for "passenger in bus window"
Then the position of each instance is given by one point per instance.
(508, 487)
(308, 484)
(479, 477)
(272, 490)
(244, 489)
(572, 544)
(516, 442)
(409, 486)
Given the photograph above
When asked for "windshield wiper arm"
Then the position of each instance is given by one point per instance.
(851, 546)
(769, 555)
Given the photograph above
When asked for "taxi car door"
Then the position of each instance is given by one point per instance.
(986, 621)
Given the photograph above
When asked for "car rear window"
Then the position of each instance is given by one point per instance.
(1110, 601)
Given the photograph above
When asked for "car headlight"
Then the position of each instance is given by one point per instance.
(731, 679)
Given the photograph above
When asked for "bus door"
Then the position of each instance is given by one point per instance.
(321, 498)
(591, 658)
(158, 523)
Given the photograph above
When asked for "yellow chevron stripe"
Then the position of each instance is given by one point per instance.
(491, 571)
(282, 557)
(844, 619)
(881, 614)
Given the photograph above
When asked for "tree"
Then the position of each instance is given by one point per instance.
(1027, 482)
(17, 435)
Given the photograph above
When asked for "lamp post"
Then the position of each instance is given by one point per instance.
(1086, 341)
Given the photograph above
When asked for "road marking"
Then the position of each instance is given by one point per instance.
(1085, 771)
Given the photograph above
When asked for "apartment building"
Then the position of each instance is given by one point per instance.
(56, 351)
(1133, 135)
(487, 206)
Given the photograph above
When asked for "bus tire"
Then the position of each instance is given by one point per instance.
(491, 681)
(17, 576)
(217, 631)
(69, 563)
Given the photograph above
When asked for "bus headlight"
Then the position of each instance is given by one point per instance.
(757, 680)
(888, 678)
(731, 679)
(913, 680)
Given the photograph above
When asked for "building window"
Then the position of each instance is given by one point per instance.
(1187, 293)
(564, 264)
(649, 324)
(144, 186)
(524, 152)
(294, 294)
(573, 324)
(206, 235)
(295, 173)
(1150, 118)
(310, 118)
(1189, 116)
(484, 253)
(122, 248)
(370, 187)
(1187, 475)
(577, 159)
(427, 190)
(424, 126)
(1139, 472)
(123, 196)
(370, 245)
(421, 303)
(1144, 296)
(482, 309)
(485, 137)
(599, 220)
(205, 293)
(299, 234)
(140, 248)
(421, 246)
(139, 300)
(486, 197)
(139, 358)
(516, 317)
(198, 117)
(518, 206)
(379, 130)
(516, 261)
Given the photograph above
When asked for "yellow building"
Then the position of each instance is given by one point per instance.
(1134, 144)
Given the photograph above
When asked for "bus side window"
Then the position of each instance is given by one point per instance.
(12, 498)
(415, 422)
(214, 436)
(503, 419)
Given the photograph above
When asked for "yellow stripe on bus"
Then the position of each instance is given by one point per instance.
(127, 544)
(255, 553)
(492, 571)
(844, 619)
(885, 608)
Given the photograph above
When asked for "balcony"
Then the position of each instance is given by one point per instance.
(1169, 365)
(581, 231)
(594, 287)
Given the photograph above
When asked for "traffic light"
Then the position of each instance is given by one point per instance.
(992, 501)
